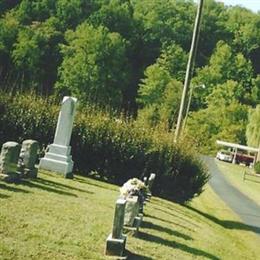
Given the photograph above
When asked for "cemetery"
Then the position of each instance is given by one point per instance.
(130, 217)
(61, 218)
(18, 162)
(110, 113)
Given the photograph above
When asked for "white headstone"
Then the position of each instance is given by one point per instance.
(151, 181)
(58, 157)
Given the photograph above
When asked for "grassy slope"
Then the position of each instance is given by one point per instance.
(234, 173)
(56, 218)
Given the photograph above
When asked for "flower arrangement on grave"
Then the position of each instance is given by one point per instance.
(134, 187)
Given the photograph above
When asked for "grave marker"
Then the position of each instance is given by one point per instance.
(28, 157)
(8, 161)
(58, 158)
(151, 181)
(115, 244)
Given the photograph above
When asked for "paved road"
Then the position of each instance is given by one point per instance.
(244, 207)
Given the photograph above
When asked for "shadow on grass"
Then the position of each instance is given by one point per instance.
(94, 184)
(11, 188)
(168, 221)
(132, 256)
(177, 245)
(60, 185)
(229, 224)
(150, 225)
(38, 186)
(173, 208)
(253, 179)
(3, 196)
(186, 220)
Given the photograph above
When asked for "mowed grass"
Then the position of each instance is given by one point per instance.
(235, 173)
(56, 218)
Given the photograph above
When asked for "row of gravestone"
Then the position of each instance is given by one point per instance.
(128, 214)
(18, 161)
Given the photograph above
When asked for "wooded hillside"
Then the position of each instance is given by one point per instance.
(131, 56)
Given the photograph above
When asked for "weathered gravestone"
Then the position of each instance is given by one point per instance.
(58, 157)
(133, 216)
(28, 157)
(115, 244)
(8, 161)
(131, 210)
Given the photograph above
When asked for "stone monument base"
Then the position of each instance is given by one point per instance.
(58, 159)
(138, 220)
(30, 173)
(115, 246)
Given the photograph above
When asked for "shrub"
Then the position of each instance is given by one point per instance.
(116, 149)
(257, 167)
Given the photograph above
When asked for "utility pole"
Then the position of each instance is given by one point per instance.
(189, 68)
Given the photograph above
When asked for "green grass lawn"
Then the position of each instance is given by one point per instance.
(234, 173)
(56, 218)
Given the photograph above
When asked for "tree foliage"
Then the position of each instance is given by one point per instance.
(160, 90)
(94, 65)
(225, 118)
(225, 65)
(122, 52)
(253, 127)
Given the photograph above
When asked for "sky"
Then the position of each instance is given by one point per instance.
(253, 5)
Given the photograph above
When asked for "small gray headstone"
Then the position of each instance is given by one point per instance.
(131, 210)
(119, 216)
(28, 156)
(115, 244)
(8, 161)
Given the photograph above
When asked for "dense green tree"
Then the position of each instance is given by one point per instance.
(225, 65)
(35, 55)
(213, 29)
(122, 49)
(117, 16)
(170, 65)
(174, 60)
(7, 5)
(244, 26)
(256, 90)
(160, 90)
(9, 27)
(224, 118)
(94, 66)
(73, 12)
(253, 127)
(153, 85)
(161, 110)
(164, 22)
(35, 10)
